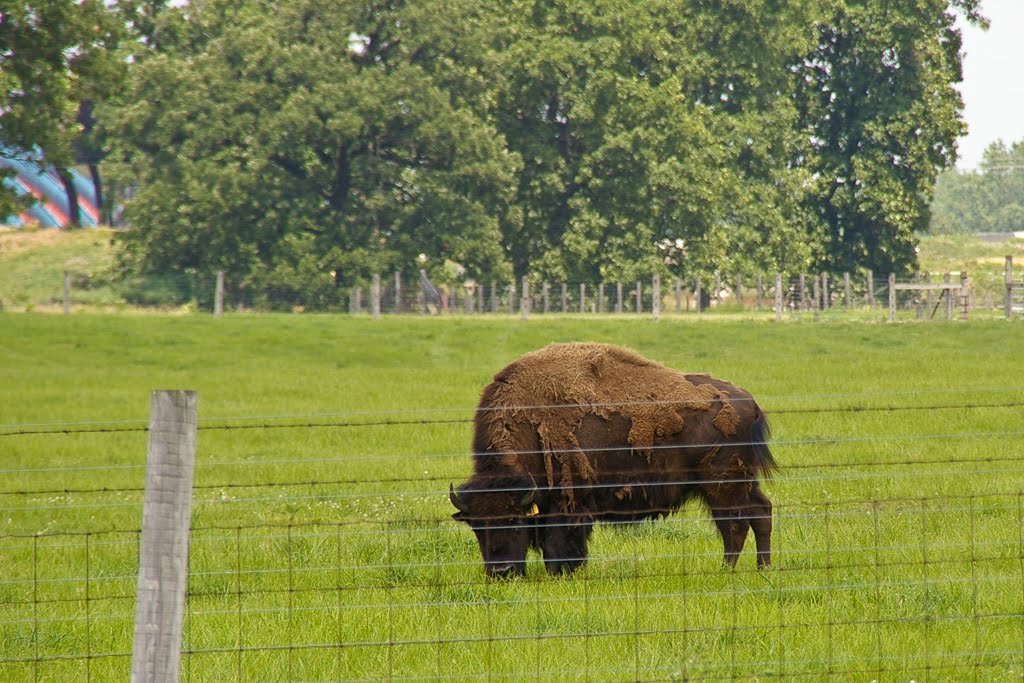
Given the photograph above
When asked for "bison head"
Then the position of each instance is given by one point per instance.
(500, 514)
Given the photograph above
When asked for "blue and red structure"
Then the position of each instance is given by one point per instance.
(50, 208)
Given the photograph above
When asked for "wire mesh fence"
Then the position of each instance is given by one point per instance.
(899, 553)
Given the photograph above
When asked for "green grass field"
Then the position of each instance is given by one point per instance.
(324, 551)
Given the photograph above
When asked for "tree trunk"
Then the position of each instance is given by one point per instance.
(74, 213)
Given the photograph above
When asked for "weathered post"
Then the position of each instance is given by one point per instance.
(965, 294)
(618, 297)
(512, 298)
(524, 301)
(357, 300)
(639, 297)
(679, 295)
(546, 293)
(600, 298)
(163, 548)
(948, 279)
(803, 292)
(918, 302)
(398, 292)
(656, 297)
(583, 298)
(218, 295)
(495, 302)
(565, 298)
(67, 293)
(739, 291)
(870, 284)
(778, 297)
(826, 300)
(375, 296)
(716, 295)
(847, 292)
(1008, 307)
(759, 303)
(892, 297)
(698, 301)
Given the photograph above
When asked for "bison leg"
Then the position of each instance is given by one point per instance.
(760, 515)
(733, 528)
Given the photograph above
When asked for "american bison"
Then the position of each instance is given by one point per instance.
(577, 433)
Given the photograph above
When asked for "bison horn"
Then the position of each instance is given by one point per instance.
(456, 501)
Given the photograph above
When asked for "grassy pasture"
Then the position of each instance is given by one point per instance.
(323, 551)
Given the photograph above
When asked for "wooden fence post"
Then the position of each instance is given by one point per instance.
(759, 301)
(918, 302)
(546, 291)
(163, 548)
(803, 292)
(218, 295)
(398, 292)
(375, 297)
(826, 300)
(524, 300)
(679, 295)
(892, 297)
(512, 298)
(67, 293)
(778, 297)
(965, 293)
(618, 297)
(1008, 306)
(639, 297)
(656, 300)
(947, 279)
(696, 296)
(716, 295)
(739, 291)
(600, 298)
(583, 298)
(494, 297)
(870, 277)
(847, 292)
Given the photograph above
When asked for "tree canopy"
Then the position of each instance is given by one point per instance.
(308, 144)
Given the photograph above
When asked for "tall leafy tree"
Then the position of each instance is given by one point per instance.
(990, 199)
(882, 114)
(305, 142)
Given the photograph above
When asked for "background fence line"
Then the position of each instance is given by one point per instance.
(787, 295)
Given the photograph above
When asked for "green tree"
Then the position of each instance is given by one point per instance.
(272, 135)
(880, 108)
(640, 123)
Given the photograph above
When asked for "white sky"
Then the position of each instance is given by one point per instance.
(993, 85)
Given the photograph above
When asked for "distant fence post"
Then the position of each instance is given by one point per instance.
(778, 297)
(947, 279)
(524, 300)
(163, 548)
(965, 294)
(1008, 306)
(494, 297)
(600, 298)
(546, 290)
(618, 297)
(697, 297)
(375, 297)
(656, 298)
(892, 297)
(847, 291)
(826, 300)
(218, 295)
(739, 290)
(565, 298)
(583, 298)
(639, 297)
(759, 300)
(870, 283)
(67, 293)
(679, 295)
(398, 292)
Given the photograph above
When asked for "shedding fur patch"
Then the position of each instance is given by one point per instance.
(554, 387)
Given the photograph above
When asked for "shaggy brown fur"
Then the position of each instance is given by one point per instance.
(554, 387)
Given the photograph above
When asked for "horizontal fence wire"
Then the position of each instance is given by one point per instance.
(896, 555)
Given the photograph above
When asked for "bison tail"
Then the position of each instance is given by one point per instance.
(763, 461)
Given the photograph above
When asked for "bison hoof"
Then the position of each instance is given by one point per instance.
(562, 567)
